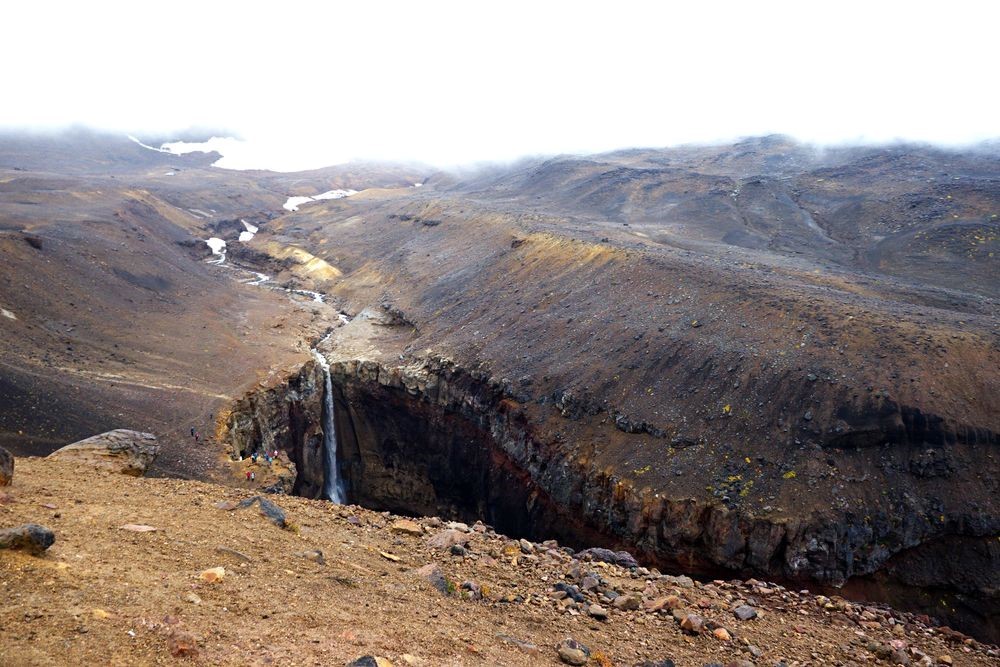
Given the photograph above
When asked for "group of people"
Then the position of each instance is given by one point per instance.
(268, 456)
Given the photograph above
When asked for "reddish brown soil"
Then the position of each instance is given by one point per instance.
(104, 595)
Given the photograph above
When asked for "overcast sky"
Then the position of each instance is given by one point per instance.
(307, 84)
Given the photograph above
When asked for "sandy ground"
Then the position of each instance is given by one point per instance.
(106, 595)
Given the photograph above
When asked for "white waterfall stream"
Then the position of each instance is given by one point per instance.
(333, 486)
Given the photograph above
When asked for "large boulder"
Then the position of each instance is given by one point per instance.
(6, 467)
(123, 451)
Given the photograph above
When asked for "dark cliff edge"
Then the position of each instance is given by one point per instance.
(433, 438)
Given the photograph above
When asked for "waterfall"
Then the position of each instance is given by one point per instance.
(333, 488)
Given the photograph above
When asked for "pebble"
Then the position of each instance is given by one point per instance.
(315, 555)
(213, 575)
(722, 634)
(573, 652)
(369, 661)
(693, 623)
(433, 574)
(626, 603)
(598, 612)
(448, 537)
(407, 527)
(524, 647)
(745, 612)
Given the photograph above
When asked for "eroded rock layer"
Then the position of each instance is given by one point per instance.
(430, 437)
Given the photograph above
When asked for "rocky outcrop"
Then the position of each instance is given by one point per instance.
(286, 416)
(6, 467)
(121, 451)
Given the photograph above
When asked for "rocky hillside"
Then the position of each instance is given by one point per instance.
(727, 359)
(160, 571)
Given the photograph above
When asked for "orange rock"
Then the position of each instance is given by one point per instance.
(213, 575)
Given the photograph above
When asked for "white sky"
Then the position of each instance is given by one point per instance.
(307, 84)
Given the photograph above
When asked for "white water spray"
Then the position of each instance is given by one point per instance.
(333, 487)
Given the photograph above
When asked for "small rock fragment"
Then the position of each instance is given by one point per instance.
(745, 612)
(213, 575)
(693, 624)
(433, 574)
(182, 644)
(315, 555)
(369, 661)
(524, 647)
(626, 602)
(598, 612)
(722, 634)
(407, 527)
(448, 537)
(226, 551)
(268, 509)
(138, 528)
(573, 652)
(668, 603)
(619, 558)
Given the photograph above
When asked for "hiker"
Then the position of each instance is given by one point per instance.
(253, 458)
(192, 431)
(248, 475)
(196, 436)
(253, 476)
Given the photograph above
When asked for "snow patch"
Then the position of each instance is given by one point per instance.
(158, 150)
(293, 203)
(6, 313)
(335, 194)
(245, 237)
(218, 247)
(250, 228)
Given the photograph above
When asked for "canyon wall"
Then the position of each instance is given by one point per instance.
(433, 438)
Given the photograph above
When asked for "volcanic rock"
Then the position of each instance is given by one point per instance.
(121, 451)
(573, 652)
(31, 537)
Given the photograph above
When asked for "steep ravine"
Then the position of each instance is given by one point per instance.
(432, 438)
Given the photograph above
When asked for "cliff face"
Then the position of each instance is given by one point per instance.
(285, 416)
(431, 437)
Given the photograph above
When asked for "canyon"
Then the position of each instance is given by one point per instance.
(754, 360)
